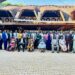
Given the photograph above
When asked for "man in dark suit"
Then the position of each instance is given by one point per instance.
(69, 41)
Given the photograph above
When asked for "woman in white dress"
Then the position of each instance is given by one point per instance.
(42, 44)
(62, 43)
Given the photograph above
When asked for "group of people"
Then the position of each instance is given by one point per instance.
(59, 41)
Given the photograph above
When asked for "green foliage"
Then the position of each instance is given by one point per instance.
(6, 3)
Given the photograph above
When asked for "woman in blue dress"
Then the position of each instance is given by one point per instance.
(48, 42)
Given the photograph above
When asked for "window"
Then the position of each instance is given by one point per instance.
(28, 15)
(51, 15)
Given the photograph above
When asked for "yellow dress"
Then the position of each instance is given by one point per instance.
(19, 35)
(30, 43)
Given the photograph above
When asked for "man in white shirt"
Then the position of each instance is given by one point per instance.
(15, 34)
(55, 42)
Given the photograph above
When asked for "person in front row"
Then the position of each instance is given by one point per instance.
(42, 45)
(48, 42)
(54, 43)
(20, 42)
(69, 41)
(62, 43)
(74, 42)
(30, 45)
(4, 39)
(12, 44)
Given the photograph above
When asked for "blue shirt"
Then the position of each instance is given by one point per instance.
(4, 36)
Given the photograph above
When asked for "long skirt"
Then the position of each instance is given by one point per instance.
(62, 45)
(48, 44)
(42, 45)
(36, 43)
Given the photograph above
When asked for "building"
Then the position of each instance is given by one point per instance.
(33, 17)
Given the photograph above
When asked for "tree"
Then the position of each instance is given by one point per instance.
(2, 0)
(5, 3)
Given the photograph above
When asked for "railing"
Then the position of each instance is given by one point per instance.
(28, 18)
(6, 19)
(11, 20)
(42, 22)
(51, 19)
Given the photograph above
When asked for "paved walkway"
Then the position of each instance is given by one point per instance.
(36, 63)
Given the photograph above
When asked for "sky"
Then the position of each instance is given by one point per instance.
(43, 2)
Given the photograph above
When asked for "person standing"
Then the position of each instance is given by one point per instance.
(24, 38)
(38, 38)
(19, 40)
(11, 34)
(71, 41)
(15, 35)
(54, 43)
(4, 39)
(28, 36)
(74, 42)
(33, 35)
(0, 40)
(48, 42)
(67, 41)
(62, 43)
(8, 33)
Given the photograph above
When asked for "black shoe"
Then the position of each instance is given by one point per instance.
(52, 51)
